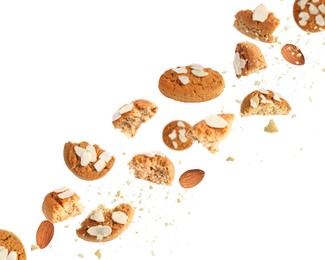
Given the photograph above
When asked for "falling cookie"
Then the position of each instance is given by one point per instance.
(11, 247)
(174, 135)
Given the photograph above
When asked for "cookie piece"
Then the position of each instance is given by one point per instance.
(192, 83)
(211, 130)
(248, 59)
(259, 24)
(131, 116)
(61, 204)
(11, 247)
(264, 102)
(154, 167)
(174, 135)
(309, 15)
(103, 224)
(88, 162)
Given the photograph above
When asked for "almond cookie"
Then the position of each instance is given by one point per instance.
(11, 248)
(248, 59)
(61, 204)
(154, 167)
(259, 24)
(103, 224)
(310, 15)
(131, 116)
(211, 130)
(192, 83)
(264, 102)
(174, 135)
(88, 162)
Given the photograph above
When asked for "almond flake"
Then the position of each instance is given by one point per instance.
(66, 194)
(184, 79)
(319, 19)
(100, 165)
(180, 70)
(180, 124)
(322, 8)
(120, 217)
(277, 96)
(302, 3)
(124, 109)
(3, 253)
(254, 101)
(106, 156)
(313, 9)
(175, 144)
(172, 135)
(59, 190)
(263, 91)
(196, 66)
(99, 231)
(12, 256)
(238, 64)
(97, 216)
(93, 153)
(199, 73)
(215, 121)
(260, 13)
(85, 158)
(78, 150)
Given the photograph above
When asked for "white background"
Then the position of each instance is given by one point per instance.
(67, 66)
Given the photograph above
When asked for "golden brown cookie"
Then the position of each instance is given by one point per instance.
(61, 204)
(248, 59)
(310, 15)
(11, 247)
(264, 102)
(174, 135)
(192, 83)
(154, 167)
(131, 116)
(212, 130)
(88, 162)
(258, 24)
(103, 224)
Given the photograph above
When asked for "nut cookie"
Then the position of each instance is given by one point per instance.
(248, 59)
(310, 15)
(174, 135)
(212, 130)
(264, 102)
(154, 167)
(258, 24)
(11, 247)
(88, 162)
(61, 204)
(131, 116)
(192, 83)
(103, 224)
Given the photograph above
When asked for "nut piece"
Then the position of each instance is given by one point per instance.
(293, 54)
(99, 231)
(120, 217)
(191, 178)
(271, 127)
(44, 234)
(260, 13)
(215, 121)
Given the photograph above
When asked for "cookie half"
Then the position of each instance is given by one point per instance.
(11, 246)
(264, 102)
(174, 135)
(104, 224)
(88, 162)
(192, 83)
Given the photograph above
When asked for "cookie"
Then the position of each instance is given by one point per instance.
(61, 204)
(174, 135)
(264, 102)
(248, 59)
(88, 162)
(131, 116)
(309, 15)
(211, 130)
(258, 24)
(11, 247)
(103, 224)
(154, 167)
(192, 83)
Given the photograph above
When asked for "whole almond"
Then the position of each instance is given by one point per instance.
(191, 178)
(293, 54)
(44, 234)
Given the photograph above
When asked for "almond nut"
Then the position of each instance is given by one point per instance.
(293, 54)
(191, 178)
(44, 234)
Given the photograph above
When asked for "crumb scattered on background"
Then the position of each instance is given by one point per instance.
(271, 127)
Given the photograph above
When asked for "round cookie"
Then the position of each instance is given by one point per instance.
(309, 15)
(88, 162)
(192, 83)
(11, 246)
(174, 135)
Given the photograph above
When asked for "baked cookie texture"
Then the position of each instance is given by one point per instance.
(264, 102)
(212, 130)
(11, 246)
(88, 162)
(131, 116)
(258, 24)
(248, 59)
(309, 15)
(192, 83)
(174, 135)
(154, 167)
(61, 204)
(104, 224)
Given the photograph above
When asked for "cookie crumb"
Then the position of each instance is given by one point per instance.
(98, 254)
(34, 247)
(271, 127)
(80, 255)
(230, 158)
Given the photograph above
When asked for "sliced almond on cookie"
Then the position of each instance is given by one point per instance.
(44, 234)
(293, 54)
(191, 178)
